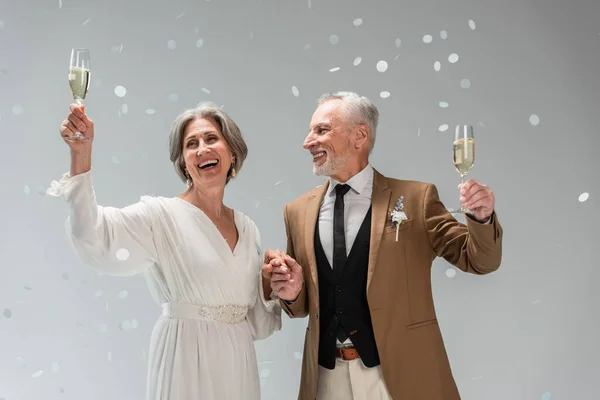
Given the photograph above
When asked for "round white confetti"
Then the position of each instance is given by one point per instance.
(437, 66)
(382, 66)
(443, 128)
(385, 94)
(21, 361)
(172, 45)
(398, 42)
(173, 97)
(150, 111)
(444, 35)
(123, 294)
(584, 197)
(55, 367)
(205, 90)
(17, 109)
(265, 373)
(450, 273)
(120, 91)
(298, 355)
(427, 39)
(115, 160)
(334, 69)
(26, 189)
(7, 313)
(444, 104)
(124, 108)
(134, 323)
(357, 61)
(357, 22)
(295, 91)
(453, 58)
(465, 83)
(199, 43)
(122, 254)
(534, 120)
(126, 326)
(37, 374)
(334, 39)
(472, 24)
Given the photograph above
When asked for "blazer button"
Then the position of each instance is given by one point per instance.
(340, 310)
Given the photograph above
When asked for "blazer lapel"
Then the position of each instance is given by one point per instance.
(380, 201)
(312, 214)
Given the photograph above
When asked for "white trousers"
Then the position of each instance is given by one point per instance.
(351, 380)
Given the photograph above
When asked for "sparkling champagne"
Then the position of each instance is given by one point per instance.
(464, 155)
(79, 82)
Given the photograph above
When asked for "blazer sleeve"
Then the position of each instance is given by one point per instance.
(475, 247)
(299, 307)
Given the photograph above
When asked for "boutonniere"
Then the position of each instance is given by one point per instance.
(398, 215)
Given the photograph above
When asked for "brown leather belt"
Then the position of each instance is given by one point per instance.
(347, 353)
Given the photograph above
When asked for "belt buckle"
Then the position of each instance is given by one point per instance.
(342, 352)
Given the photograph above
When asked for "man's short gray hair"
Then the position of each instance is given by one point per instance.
(231, 133)
(359, 109)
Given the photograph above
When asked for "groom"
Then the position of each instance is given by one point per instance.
(359, 254)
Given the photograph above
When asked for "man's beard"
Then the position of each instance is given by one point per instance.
(332, 164)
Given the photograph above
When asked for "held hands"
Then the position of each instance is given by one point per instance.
(478, 198)
(284, 273)
(77, 121)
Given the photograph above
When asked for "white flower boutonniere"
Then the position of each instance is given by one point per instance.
(398, 215)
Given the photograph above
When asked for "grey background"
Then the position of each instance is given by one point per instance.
(529, 331)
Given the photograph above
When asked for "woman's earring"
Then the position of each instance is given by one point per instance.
(233, 172)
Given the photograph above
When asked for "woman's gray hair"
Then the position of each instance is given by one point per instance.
(358, 108)
(231, 133)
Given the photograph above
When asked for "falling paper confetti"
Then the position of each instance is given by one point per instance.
(443, 128)
(123, 294)
(450, 273)
(357, 61)
(444, 35)
(427, 39)
(453, 58)
(398, 42)
(17, 109)
(205, 90)
(295, 91)
(109, 356)
(98, 293)
(150, 111)
(465, 83)
(26, 189)
(120, 91)
(37, 374)
(357, 22)
(124, 109)
(472, 24)
(298, 355)
(334, 39)
(55, 367)
(437, 66)
(122, 254)
(584, 197)
(199, 43)
(265, 373)
(444, 104)
(334, 69)
(171, 45)
(384, 95)
(382, 66)
(534, 120)
(547, 396)
(125, 326)
(115, 160)
(134, 323)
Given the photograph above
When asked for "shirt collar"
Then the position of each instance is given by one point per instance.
(358, 182)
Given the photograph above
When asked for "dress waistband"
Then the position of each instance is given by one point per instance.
(227, 313)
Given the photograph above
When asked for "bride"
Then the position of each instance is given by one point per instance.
(201, 259)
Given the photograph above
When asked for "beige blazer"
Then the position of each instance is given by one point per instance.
(413, 358)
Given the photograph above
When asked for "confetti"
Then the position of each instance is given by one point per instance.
(123, 294)
(465, 83)
(427, 39)
(357, 22)
(385, 94)
(534, 120)
(450, 273)
(583, 197)
(334, 69)
(357, 61)
(472, 24)
(443, 35)
(199, 43)
(382, 66)
(437, 66)
(122, 254)
(443, 128)
(334, 39)
(120, 91)
(37, 374)
(17, 109)
(295, 91)
(453, 58)
(171, 45)
(443, 104)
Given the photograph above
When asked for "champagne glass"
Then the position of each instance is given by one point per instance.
(464, 156)
(79, 81)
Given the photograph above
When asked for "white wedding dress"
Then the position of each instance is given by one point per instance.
(213, 307)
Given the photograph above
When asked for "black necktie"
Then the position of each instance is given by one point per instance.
(339, 240)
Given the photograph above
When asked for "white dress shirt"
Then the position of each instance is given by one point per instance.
(356, 204)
